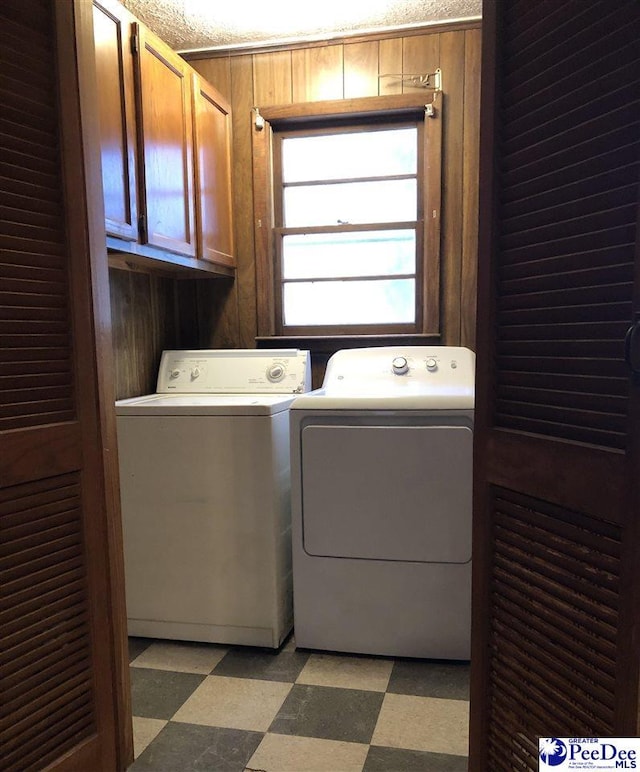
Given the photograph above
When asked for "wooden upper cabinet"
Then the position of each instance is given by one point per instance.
(166, 150)
(114, 69)
(165, 137)
(212, 146)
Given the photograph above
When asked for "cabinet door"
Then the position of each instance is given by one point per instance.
(165, 145)
(114, 70)
(212, 144)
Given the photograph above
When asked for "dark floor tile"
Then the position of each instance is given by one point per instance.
(159, 693)
(330, 714)
(264, 665)
(399, 760)
(190, 748)
(137, 646)
(447, 680)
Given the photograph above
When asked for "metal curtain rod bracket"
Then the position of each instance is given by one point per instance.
(432, 80)
(258, 120)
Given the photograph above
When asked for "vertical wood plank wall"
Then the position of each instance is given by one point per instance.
(143, 312)
(351, 69)
(151, 312)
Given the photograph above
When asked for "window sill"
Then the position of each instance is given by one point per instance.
(328, 344)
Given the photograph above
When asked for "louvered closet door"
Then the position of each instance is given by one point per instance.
(57, 648)
(557, 462)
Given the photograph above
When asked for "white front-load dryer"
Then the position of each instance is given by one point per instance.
(381, 504)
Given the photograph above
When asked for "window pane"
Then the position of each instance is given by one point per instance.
(353, 202)
(341, 156)
(349, 302)
(364, 253)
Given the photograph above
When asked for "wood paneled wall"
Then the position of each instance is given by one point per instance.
(340, 70)
(144, 322)
(151, 313)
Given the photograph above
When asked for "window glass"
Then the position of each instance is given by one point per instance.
(353, 202)
(355, 302)
(347, 155)
(358, 253)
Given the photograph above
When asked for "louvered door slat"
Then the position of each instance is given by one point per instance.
(554, 655)
(591, 161)
(26, 653)
(75, 726)
(544, 676)
(27, 204)
(510, 605)
(567, 595)
(586, 244)
(27, 395)
(565, 398)
(567, 383)
(597, 312)
(30, 594)
(607, 330)
(46, 663)
(611, 57)
(562, 39)
(29, 327)
(12, 46)
(576, 121)
(33, 717)
(41, 382)
(566, 215)
(22, 215)
(562, 365)
(572, 193)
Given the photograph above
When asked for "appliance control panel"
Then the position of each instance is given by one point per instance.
(405, 371)
(235, 371)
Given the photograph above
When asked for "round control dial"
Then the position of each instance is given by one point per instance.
(432, 365)
(174, 374)
(400, 365)
(276, 373)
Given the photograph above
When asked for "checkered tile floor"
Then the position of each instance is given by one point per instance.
(202, 707)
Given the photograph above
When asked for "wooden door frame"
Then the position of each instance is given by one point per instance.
(80, 150)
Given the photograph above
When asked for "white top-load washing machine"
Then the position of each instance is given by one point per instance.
(381, 470)
(205, 489)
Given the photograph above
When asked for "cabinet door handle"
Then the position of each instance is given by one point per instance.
(630, 348)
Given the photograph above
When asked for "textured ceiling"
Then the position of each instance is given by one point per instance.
(196, 24)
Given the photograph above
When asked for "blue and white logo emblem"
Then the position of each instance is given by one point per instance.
(553, 751)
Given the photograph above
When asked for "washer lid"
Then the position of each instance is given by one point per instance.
(204, 404)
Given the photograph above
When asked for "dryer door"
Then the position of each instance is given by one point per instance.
(399, 493)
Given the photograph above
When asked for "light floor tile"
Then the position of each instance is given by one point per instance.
(423, 724)
(181, 657)
(307, 754)
(346, 672)
(144, 731)
(235, 703)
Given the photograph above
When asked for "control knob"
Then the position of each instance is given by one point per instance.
(432, 365)
(400, 365)
(195, 373)
(174, 374)
(275, 373)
